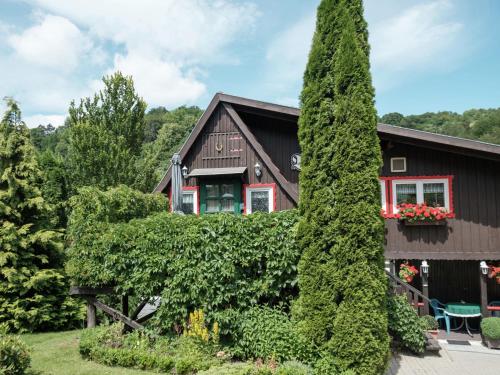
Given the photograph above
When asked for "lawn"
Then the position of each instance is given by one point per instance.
(57, 354)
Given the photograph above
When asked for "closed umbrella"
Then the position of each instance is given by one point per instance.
(176, 184)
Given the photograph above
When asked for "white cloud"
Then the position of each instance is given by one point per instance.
(164, 44)
(161, 81)
(422, 37)
(35, 120)
(54, 42)
(406, 39)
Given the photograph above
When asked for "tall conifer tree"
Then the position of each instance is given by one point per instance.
(33, 291)
(342, 304)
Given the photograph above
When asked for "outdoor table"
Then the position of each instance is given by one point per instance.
(463, 310)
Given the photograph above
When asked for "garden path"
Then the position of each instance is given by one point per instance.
(473, 359)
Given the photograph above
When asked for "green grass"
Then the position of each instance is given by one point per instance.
(57, 354)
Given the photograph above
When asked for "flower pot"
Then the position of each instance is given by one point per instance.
(423, 223)
(434, 332)
(491, 343)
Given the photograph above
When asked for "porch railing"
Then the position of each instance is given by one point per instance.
(415, 296)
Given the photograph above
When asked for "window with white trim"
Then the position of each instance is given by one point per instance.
(190, 202)
(259, 199)
(383, 195)
(433, 192)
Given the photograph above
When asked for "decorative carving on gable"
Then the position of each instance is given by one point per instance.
(223, 145)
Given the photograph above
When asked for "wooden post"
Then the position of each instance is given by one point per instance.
(425, 292)
(91, 315)
(484, 294)
(125, 304)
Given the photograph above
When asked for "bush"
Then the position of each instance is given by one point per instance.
(429, 323)
(212, 262)
(294, 368)
(405, 325)
(490, 328)
(108, 346)
(14, 356)
(265, 333)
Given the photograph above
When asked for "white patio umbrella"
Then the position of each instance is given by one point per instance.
(176, 184)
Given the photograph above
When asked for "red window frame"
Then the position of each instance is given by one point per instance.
(388, 188)
(250, 186)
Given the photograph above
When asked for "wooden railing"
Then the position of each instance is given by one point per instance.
(415, 296)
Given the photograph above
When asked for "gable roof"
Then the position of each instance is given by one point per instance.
(385, 131)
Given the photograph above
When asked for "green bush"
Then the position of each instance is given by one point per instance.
(265, 333)
(490, 328)
(108, 346)
(14, 356)
(294, 368)
(429, 323)
(212, 262)
(405, 325)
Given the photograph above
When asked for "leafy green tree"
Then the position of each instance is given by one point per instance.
(33, 290)
(393, 118)
(106, 134)
(156, 156)
(342, 304)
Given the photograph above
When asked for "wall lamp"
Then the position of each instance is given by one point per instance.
(484, 267)
(184, 172)
(424, 267)
(258, 169)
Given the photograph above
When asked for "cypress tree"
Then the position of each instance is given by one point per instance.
(342, 302)
(33, 290)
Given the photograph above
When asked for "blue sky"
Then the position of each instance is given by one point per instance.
(427, 55)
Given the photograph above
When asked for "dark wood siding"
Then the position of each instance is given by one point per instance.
(279, 140)
(475, 232)
(236, 152)
(455, 281)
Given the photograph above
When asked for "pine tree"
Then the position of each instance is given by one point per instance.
(342, 303)
(33, 290)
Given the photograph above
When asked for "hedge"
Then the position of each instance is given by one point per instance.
(14, 355)
(405, 325)
(213, 262)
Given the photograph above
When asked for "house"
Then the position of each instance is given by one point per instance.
(243, 156)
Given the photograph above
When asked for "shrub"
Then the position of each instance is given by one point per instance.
(212, 262)
(342, 304)
(14, 356)
(263, 332)
(294, 368)
(108, 346)
(490, 328)
(429, 323)
(405, 325)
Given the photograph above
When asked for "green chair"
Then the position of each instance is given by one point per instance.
(440, 313)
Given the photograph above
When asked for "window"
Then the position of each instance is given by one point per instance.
(220, 197)
(190, 200)
(259, 198)
(383, 195)
(398, 164)
(433, 192)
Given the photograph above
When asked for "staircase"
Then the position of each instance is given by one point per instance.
(417, 300)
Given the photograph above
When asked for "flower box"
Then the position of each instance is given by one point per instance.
(420, 223)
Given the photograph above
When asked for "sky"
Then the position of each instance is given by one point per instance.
(426, 55)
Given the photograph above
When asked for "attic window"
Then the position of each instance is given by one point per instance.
(398, 164)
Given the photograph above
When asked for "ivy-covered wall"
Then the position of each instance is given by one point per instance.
(220, 263)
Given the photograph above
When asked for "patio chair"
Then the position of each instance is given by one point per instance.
(495, 304)
(440, 313)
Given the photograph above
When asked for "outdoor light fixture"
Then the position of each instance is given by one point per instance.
(184, 172)
(258, 169)
(424, 267)
(484, 267)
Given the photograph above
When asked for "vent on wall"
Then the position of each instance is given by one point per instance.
(398, 164)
